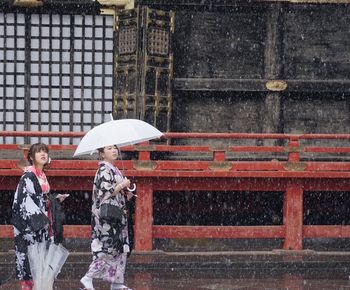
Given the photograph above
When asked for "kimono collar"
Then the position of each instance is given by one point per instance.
(114, 169)
(33, 169)
(40, 175)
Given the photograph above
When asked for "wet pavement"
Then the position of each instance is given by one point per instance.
(273, 270)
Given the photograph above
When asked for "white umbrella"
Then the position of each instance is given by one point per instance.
(116, 132)
(46, 262)
(36, 255)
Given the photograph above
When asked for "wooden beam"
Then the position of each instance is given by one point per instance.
(259, 85)
(228, 3)
(309, 1)
(211, 84)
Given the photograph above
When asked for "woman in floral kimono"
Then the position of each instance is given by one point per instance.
(110, 241)
(31, 211)
(29, 214)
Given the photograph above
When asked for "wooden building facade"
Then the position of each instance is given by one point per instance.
(185, 66)
(261, 66)
(191, 66)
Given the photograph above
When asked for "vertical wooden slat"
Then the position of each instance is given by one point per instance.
(60, 77)
(4, 83)
(71, 76)
(93, 49)
(273, 70)
(27, 91)
(40, 77)
(103, 105)
(15, 78)
(50, 75)
(82, 100)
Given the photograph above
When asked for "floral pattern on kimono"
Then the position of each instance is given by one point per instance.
(110, 242)
(28, 201)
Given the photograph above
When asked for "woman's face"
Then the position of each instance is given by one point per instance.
(110, 153)
(40, 158)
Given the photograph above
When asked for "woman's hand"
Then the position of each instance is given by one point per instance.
(124, 184)
(62, 197)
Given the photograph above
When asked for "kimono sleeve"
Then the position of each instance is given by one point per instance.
(26, 203)
(106, 182)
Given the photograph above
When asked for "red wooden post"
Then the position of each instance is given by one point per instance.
(219, 156)
(144, 216)
(293, 217)
(144, 155)
(294, 149)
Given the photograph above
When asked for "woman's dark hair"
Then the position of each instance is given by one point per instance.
(102, 149)
(37, 147)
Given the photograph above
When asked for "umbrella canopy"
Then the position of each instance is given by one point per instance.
(116, 132)
(46, 262)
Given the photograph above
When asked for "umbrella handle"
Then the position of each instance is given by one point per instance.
(132, 189)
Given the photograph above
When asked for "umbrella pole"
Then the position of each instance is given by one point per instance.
(122, 172)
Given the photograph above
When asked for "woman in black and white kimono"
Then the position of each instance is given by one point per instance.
(110, 241)
(29, 213)
(32, 214)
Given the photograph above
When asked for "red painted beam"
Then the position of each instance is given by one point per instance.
(77, 231)
(82, 180)
(327, 231)
(203, 174)
(325, 136)
(192, 167)
(6, 231)
(233, 232)
(181, 165)
(84, 231)
(328, 166)
(189, 135)
(257, 149)
(327, 149)
(314, 231)
(9, 164)
(173, 148)
(70, 231)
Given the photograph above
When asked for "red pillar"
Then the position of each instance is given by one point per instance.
(144, 215)
(294, 150)
(293, 217)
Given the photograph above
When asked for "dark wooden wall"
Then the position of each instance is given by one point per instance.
(219, 44)
(225, 55)
(317, 42)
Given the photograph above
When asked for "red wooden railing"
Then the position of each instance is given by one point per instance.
(292, 171)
